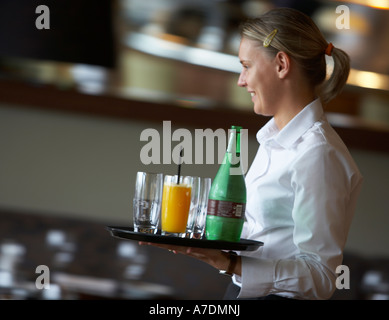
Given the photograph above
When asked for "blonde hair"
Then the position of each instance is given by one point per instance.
(299, 37)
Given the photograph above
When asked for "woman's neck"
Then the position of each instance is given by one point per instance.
(296, 96)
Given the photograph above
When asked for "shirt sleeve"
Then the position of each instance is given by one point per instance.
(325, 191)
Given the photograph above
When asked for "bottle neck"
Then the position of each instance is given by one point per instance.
(234, 142)
(232, 156)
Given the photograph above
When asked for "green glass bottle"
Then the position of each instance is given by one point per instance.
(227, 197)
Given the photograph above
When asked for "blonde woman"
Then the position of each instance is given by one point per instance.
(303, 185)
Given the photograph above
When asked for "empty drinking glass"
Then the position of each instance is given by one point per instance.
(194, 203)
(147, 201)
(201, 215)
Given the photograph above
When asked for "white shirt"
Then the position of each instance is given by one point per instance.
(302, 189)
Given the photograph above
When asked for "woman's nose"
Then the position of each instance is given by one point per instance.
(241, 80)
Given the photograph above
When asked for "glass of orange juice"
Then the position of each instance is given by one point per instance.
(176, 199)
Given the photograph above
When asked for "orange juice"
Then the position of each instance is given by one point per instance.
(175, 207)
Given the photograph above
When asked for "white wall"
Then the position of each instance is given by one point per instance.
(84, 166)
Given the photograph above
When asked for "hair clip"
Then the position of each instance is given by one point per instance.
(269, 38)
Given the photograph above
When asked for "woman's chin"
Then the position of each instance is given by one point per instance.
(258, 109)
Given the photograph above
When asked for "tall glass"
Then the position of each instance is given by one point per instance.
(176, 199)
(194, 203)
(147, 201)
(201, 215)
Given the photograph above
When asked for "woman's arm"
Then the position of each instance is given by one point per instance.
(216, 258)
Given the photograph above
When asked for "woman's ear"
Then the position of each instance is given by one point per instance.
(283, 64)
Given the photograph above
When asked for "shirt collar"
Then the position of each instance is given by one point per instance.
(267, 131)
(295, 127)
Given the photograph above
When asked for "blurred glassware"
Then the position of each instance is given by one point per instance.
(132, 260)
(11, 254)
(63, 246)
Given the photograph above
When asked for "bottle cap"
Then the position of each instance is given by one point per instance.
(237, 128)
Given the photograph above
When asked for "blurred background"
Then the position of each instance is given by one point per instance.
(75, 98)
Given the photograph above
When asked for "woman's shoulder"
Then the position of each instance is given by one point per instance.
(322, 135)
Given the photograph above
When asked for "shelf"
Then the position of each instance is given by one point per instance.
(356, 132)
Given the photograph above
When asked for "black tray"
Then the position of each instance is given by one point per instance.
(130, 234)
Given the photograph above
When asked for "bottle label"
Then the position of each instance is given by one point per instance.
(226, 209)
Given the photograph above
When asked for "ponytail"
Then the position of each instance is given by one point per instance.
(333, 86)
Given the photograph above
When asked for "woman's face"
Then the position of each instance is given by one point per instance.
(259, 77)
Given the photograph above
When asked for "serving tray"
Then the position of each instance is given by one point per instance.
(129, 234)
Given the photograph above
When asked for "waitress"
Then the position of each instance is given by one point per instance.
(303, 184)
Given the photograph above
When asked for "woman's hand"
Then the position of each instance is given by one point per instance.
(214, 257)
